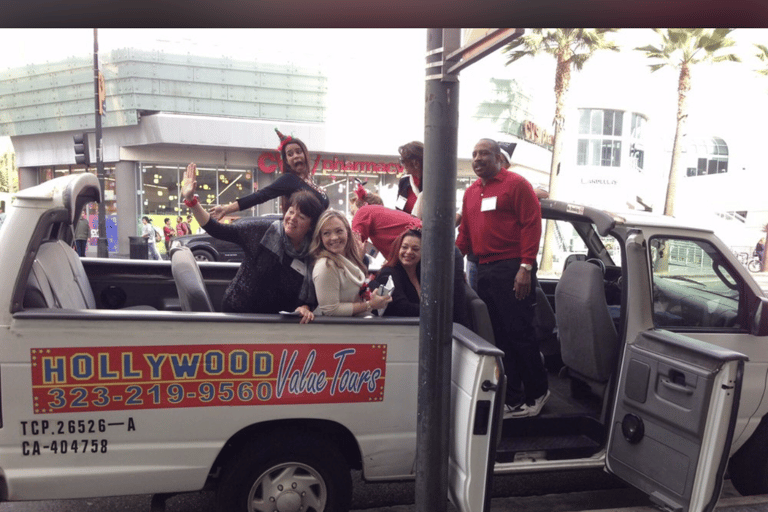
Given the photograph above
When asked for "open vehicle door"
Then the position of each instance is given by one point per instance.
(477, 395)
(673, 420)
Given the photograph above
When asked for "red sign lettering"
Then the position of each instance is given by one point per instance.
(269, 162)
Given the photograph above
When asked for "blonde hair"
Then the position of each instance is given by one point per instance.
(318, 250)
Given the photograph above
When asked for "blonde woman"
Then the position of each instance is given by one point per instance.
(339, 273)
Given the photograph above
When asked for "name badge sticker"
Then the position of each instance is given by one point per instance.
(400, 204)
(299, 266)
(488, 204)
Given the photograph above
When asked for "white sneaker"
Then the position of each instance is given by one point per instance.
(526, 410)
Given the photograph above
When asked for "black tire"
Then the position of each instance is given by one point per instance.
(203, 255)
(748, 468)
(754, 265)
(289, 473)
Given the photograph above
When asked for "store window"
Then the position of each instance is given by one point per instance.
(161, 186)
(599, 142)
(706, 156)
(92, 209)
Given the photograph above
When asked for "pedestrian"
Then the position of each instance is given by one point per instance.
(168, 233)
(82, 232)
(148, 232)
(760, 249)
(181, 229)
(501, 225)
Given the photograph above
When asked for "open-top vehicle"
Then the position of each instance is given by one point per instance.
(123, 376)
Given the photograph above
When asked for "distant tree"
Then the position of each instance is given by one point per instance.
(9, 181)
(571, 48)
(680, 49)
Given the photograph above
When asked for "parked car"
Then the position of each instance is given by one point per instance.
(658, 359)
(208, 248)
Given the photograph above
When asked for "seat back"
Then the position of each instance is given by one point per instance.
(58, 279)
(477, 315)
(588, 338)
(189, 281)
(544, 324)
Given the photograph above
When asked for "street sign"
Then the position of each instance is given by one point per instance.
(492, 40)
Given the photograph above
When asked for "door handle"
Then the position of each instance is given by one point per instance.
(676, 387)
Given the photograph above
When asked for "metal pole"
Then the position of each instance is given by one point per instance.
(102, 248)
(435, 334)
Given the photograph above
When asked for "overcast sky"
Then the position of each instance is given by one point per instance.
(376, 77)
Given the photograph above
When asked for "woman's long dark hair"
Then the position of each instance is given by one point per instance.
(394, 251)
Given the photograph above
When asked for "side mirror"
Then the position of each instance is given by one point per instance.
(760, 318)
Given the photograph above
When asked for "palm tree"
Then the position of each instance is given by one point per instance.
(571, 47)
(680, 49)
(762, 54)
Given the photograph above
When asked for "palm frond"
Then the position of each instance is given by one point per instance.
(726, 58)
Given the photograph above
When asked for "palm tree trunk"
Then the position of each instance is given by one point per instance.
(683, 87)
(562, 82)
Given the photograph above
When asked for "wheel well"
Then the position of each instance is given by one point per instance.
(324, 430)
(207, 250)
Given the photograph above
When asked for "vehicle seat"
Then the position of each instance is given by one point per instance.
(58, 279)
(545, 327)
(478, 319)
(573, 257)
(189, 281)
(588, 338)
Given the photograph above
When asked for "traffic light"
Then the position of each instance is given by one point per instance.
(82, 152)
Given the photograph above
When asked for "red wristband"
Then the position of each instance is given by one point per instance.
(191, 203)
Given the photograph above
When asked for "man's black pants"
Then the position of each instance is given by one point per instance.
(512, 321)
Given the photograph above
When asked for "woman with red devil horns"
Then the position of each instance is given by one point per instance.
(296, 176)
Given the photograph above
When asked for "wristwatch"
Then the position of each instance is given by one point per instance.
(526, 266)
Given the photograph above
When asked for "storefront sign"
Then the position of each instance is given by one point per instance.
(160, 377)
(534, 133)
(270, 162)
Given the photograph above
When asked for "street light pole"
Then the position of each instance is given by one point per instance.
(436, 322)
(102, 248)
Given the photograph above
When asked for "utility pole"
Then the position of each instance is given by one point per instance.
(102, 247)
(441, 120)
(436, 324)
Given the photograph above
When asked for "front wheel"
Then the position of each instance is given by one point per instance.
(202, 255)
(289, 474)
(754, 265)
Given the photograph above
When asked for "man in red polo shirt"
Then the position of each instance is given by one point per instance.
(501, 225)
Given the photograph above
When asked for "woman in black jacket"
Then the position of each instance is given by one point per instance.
(404, 267)
(296, 176)
(275, 274)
